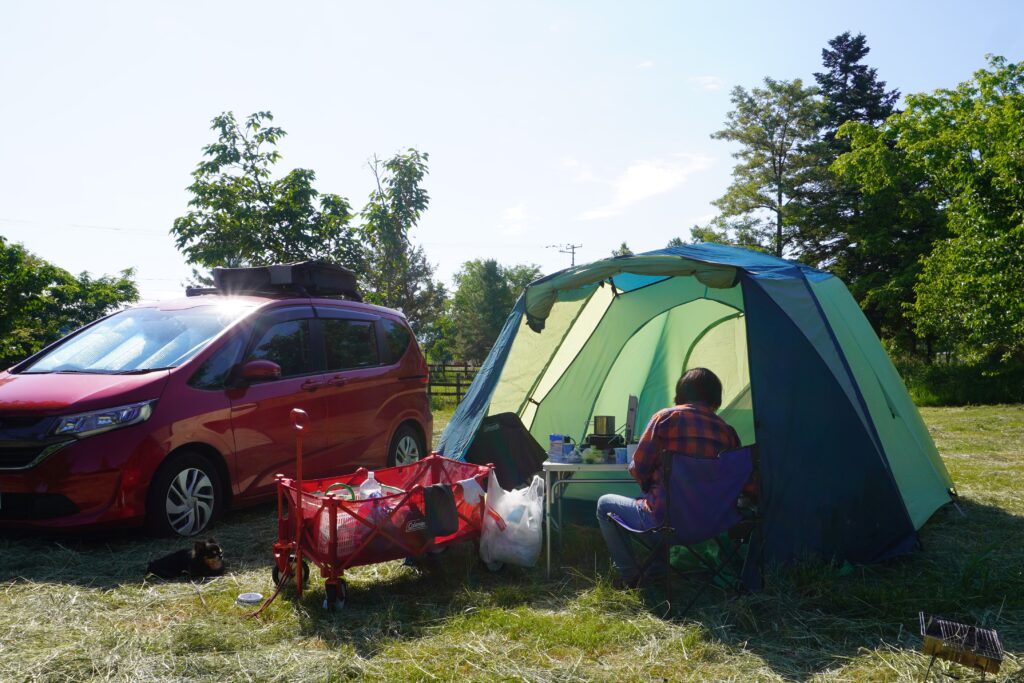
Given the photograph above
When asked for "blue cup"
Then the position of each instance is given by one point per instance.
(620, 456)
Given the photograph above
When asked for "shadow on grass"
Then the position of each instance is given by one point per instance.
(111, 558)
(813, 617)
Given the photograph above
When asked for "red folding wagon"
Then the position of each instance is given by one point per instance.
(337, 531)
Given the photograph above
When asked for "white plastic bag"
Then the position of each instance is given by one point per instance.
(512, 530)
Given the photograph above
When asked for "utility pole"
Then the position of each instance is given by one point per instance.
(567, 249)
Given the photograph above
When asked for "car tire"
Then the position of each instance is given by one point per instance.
(185, 497)
(406, 447)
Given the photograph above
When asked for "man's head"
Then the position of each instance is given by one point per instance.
(699, 385)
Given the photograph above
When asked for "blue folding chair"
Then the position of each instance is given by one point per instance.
(707, 498)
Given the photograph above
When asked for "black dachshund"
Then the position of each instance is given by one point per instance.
(205, 559)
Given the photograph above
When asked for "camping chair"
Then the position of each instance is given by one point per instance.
(706, 498)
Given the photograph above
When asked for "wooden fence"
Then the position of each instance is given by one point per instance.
(449, 381)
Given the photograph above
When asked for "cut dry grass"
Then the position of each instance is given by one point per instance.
(79, 609)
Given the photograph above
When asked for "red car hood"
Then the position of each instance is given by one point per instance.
(65, 394)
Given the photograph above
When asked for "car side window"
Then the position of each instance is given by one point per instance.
(350, 344)
(214, 372)
(287, 344)
(396, 340)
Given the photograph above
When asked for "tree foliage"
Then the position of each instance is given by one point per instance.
(485, 292)
(240, 214)
(873, 238)
(40, 303)
(622, 250)
(834, 213)
(957, 152)
(775, 127)
(397, 274)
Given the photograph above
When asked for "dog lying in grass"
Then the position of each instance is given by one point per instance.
(206, 558)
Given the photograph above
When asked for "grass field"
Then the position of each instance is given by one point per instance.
(74, 609)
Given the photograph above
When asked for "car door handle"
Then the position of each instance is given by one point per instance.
(337, 381)
(311, 385)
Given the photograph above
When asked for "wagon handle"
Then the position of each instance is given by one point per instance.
(300, 419)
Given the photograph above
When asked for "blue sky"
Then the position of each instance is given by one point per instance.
(546, 123)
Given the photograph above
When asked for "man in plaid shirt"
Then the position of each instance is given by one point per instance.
(690, 427)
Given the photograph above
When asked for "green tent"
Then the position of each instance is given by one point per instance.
(848, 468)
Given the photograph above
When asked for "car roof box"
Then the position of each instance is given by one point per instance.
(313, 278)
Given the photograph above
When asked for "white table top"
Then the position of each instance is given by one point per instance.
(583, 467)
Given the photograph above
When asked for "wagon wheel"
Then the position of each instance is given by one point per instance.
(335, 595)
(275, 573)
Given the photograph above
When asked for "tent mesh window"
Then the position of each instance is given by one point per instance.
(978, 648)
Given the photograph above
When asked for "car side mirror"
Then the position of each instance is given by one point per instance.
(253, 371)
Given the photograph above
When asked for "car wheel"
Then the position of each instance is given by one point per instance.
(185, 497)
(406, 447)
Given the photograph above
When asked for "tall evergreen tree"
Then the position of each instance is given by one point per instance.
(834, 213)
(872, 237)
(851, 90)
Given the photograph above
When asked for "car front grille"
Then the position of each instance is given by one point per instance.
(21, 455)
(28, 506)
(17, 457)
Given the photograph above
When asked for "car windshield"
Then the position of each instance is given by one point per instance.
(140, 340)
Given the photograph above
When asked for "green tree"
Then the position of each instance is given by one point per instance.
(40, 303)
(622, 250)
(836, 220)
(397, 274)
(484, 294)
(241, 215)
(775, 127)
(960, 150)
(744, 231)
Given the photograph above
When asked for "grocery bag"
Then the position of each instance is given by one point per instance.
(512, 530)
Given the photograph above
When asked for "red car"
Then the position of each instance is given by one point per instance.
(172, 412)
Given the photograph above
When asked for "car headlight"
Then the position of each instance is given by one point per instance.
(98, 421)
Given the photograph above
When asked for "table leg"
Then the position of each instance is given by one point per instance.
(560, 519)
(547, 516)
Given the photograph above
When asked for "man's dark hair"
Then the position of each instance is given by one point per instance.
(699, 385)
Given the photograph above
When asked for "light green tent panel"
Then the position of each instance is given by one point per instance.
(530, 354)
(640, 342)
(915, 463)
(723, 350)
(583, 328)
(687, 324)
(623, 379)
(567, 407)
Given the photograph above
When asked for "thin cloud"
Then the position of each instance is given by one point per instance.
(707, 82)
(643, 180)
(649, 64)
(582, 172)
(514, 220)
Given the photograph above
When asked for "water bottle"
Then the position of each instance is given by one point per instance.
(555, 447)
(370, 488)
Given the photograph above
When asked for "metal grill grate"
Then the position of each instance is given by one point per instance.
(971, 646)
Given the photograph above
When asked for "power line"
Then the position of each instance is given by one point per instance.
(78, 226)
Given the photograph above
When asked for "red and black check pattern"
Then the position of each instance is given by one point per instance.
(693, 429)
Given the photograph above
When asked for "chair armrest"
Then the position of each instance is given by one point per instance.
(653, 530)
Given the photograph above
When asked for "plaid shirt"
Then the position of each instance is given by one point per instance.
(691, 428)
